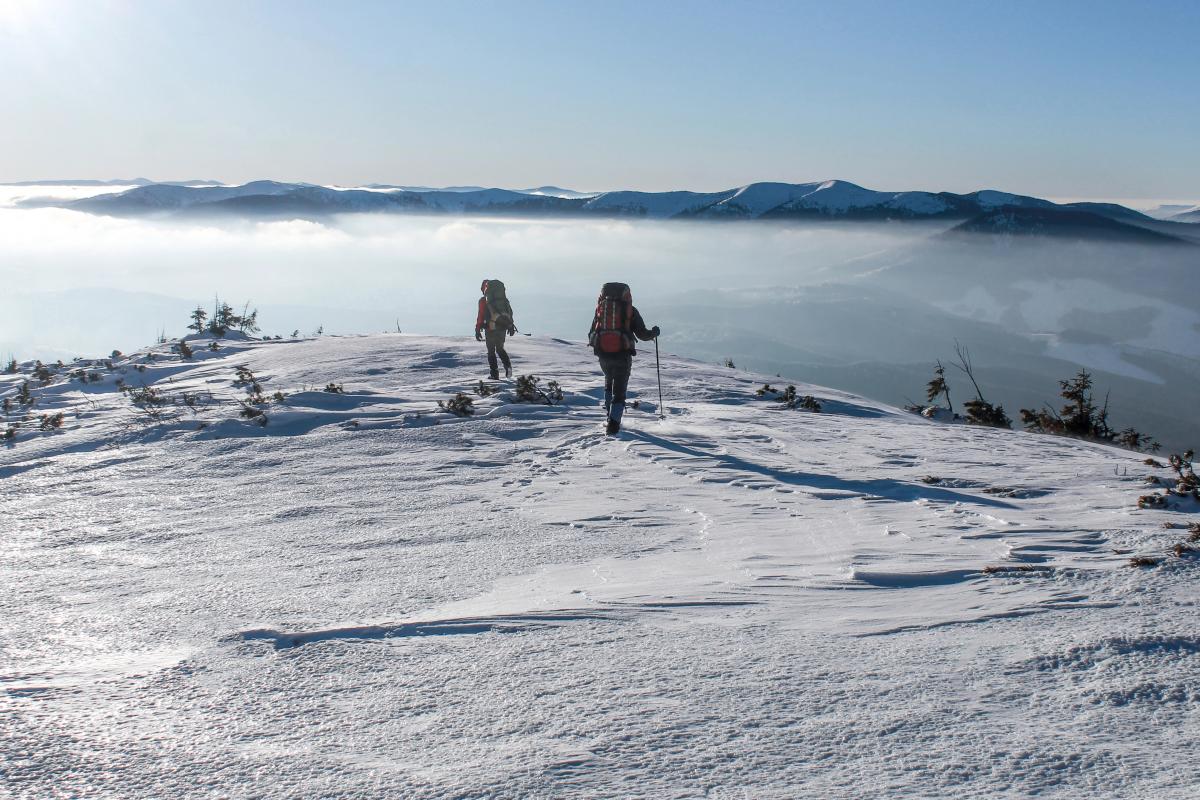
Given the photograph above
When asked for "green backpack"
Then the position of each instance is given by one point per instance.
(498, 305)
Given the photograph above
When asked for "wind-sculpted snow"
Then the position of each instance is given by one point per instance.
(368, 596)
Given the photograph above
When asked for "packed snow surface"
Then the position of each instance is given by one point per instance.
(370, 597)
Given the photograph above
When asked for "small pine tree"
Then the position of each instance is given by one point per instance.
(938, 386)
(199, 315)
(1187, 480)
(223, 318)
(184, 350)
(248, 321)
(1082, 418)
(11, 366)
(979, 411)
(24, 396)
(1135, 440)
(729, 363)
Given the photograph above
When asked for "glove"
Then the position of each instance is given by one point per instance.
(655, 331)
(478, 335)
(512, 331)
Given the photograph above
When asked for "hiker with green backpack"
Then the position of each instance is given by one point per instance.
(494, 320)
(615, 328)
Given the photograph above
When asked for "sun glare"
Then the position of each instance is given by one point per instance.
(17, 16)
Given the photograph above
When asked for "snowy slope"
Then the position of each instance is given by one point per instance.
(367, 597)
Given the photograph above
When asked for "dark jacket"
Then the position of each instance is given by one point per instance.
(637, 327)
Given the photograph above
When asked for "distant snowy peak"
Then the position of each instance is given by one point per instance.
(818, 200)
(1190, 215)
(558, 191)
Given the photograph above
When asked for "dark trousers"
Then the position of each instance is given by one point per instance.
(616, 382)
(495, 346)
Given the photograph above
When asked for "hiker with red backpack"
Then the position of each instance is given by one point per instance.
(492, 322)
(612, 337)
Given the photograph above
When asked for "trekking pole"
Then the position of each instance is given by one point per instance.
(658, 370)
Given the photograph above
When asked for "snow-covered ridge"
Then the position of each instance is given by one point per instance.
(512, 604)
(829, 200)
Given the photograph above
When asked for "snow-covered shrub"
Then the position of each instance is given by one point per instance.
(1186, 480)
(184, 350)
(1143, 561)
(334, 388)
(460, 405)
(981, 412)
(50, 422)
(42, 372)
(729, 363)
(1153, 501)
(789, 398)
(529, 390)
(250, 412)
(484, 390)
(147, 396)
(7, 405)
(245, 377)
(279, 397)
(214, 346)
(24, 396)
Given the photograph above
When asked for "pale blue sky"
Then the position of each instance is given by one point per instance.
(1060, 99)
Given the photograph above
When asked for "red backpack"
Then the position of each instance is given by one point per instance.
(612, 325)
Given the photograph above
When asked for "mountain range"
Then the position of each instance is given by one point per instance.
(834, 200)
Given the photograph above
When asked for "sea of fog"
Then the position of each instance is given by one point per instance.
(862, 307)
(93, 283)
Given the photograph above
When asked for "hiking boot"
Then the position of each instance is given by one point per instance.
(494, 375)
(508, 370)
(614, 427)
